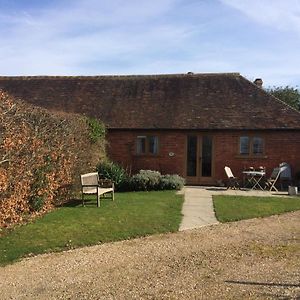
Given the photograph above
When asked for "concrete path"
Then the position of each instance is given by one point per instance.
(197, 208)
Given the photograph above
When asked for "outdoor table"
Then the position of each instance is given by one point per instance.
(254, 178)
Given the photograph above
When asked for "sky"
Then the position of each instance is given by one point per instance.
(257, 38)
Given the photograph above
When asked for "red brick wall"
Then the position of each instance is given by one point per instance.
(121, 148)
(280, 147)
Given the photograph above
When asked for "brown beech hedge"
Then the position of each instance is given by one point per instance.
(41, 157)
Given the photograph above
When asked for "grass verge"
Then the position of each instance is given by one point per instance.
(131, 215)
(234, 208)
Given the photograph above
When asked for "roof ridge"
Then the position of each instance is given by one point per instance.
(118, 76)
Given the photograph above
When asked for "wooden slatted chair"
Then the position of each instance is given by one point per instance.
(91, 185)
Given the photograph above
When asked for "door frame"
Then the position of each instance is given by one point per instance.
(198, 179)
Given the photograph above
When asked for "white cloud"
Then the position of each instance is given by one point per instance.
(85, 37)
(54, 40)
(280, 14)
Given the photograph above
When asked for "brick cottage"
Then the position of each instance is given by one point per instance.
(189, 124)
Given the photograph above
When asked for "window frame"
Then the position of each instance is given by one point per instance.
(147, 138)
(262, 146)
(251, 153)
(139, 138)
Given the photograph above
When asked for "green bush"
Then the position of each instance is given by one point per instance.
(39, 187)
(96, 130)
(171, 182)
(114, 172)
(36, 202)
(147, 180)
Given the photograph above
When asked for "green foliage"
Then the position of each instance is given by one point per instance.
(147, 180)
(289, 95)
(171, 182)
(96, 130)
(234, 208)
(114, 172)
(130, 215)
(39, 186)
(36, 202)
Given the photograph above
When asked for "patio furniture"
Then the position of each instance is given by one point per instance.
(232, 180)
(254, 178)
(271, 182)
(285, 176)
(293, 190)
(91, 185)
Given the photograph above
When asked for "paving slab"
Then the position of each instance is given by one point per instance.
(197, 208)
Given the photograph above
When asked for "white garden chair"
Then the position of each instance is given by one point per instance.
(232, 180)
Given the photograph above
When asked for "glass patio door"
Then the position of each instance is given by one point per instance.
(199, 160)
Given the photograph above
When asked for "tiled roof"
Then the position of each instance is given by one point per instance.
(177, 101)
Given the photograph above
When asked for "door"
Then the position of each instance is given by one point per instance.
(199, 159)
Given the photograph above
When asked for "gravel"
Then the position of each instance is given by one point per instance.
(251, 259)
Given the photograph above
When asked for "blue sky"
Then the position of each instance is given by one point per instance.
(258, 38)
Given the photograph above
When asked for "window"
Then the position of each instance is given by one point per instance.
(244, 145)
(251, 145)
(258, 145)
(141, 145)
(192, 156)
(153, 144)
(147, 145)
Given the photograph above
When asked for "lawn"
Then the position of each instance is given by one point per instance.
(234, 208)
(131, 215)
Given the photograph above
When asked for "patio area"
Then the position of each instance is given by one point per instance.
(198, 210)
(244, 192)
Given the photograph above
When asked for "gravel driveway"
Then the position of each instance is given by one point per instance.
(252, 259)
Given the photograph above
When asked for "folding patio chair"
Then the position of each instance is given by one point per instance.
(271, 182)
(232, 180)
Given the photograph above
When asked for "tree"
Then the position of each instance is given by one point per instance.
(287, 94)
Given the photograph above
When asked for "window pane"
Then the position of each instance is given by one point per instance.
(244, 145)
(192, 156)
(141, 144)
(153, 144)
(258, 145)
(206, 156)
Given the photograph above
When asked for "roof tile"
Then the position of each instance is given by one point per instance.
(178, 101)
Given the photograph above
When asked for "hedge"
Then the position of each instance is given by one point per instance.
(41, 157)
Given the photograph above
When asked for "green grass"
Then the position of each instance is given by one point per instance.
(131, 215)
(234, 208)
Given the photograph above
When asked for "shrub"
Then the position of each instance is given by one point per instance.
(38, 188)
(36, 202)
(171, 182)
(96, 130)
(41, 156)
(147, 180)
(114, 172)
